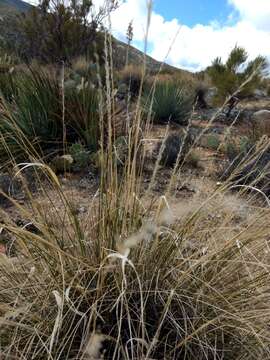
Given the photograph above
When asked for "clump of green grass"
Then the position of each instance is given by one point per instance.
(173, 149)
(169, 102)
(212, 142)
(37, 114)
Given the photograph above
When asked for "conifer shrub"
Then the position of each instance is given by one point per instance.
(237, 75)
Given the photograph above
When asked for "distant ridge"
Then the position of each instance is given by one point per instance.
(136, 57)
(7, 6)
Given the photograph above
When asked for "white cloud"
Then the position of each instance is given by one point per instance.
(195, 47)
(257, 13)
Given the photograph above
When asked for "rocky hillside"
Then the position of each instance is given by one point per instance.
(7, 6)
(137, 57)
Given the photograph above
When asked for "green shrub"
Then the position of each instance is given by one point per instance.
(85, 70)
(175, 147)
(193, 159)
(237, 149)
(56, 32)
(213, 142)
(231, 150)
(170, 102)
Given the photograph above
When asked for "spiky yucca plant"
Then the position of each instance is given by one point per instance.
(39, 115)
(168, 102)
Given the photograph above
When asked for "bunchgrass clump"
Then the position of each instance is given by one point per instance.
(149, 286)
(175, 148)
(39, 115)
(248, 166)
(169, 102)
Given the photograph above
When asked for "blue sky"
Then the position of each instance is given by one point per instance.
(192, 12)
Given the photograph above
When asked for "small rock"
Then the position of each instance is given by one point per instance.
(82, 209)
(261, 116)
(261, 122)
(260, 94)
(210, 94)
(3, 249)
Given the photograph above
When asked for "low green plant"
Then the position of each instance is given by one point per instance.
(174, 148)
(193, 159)
(237, 148)
(213, 142)
(80, 156)
(168, 102)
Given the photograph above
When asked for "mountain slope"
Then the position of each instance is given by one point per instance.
(136, 57)
(7, 6)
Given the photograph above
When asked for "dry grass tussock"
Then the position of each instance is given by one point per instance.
(161, 282)
(130, 279)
